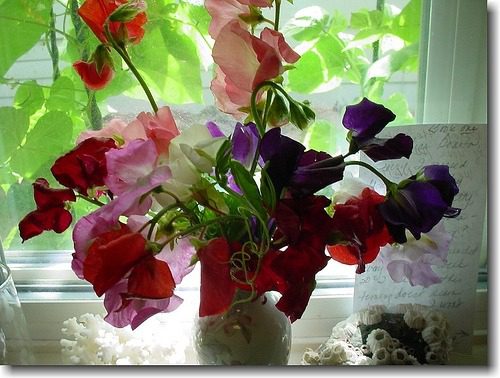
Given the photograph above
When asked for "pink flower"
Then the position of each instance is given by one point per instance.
(223, 12)
(112, 129)
(226, 11)
(246, 61)
(128, 165)
(160, 128)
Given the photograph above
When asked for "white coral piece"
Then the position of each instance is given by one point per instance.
(381, 356)
(310, 357)
(334, 354)
(414, 319)
(89, 340)
(433, 334)
(378, 338)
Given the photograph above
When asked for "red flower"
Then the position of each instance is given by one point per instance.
(95, 13)
(151, 279)
(92, 77)
(50, 213)
(304, 226)
(217, 288)
(84, 167)
(362, 229)
(112, 255)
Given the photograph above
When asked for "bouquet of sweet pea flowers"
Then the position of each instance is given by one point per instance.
(244, 206)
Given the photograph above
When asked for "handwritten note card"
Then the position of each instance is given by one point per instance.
(464, 149)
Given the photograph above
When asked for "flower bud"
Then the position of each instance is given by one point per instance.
(128, 11)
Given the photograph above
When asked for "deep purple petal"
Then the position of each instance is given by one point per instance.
(439, 176)
(214, 130)
(366, 119)
(384, 149)
(417, 207)
(315, 171)
(282, 154)
(245, 141)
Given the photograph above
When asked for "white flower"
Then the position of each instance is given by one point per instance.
(414, 259)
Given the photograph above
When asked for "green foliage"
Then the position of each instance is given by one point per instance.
(49, 138)
(29, 97)
(14, 124)
(22, 23)
(45, 120)
(168, 57)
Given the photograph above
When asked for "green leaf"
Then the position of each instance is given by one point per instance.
(405, 59)
(22, 23)
(333, 57)
(29, 97)
(366, 37)
(14, 124)
(168, 58)
(321, 136)
(249, 188)
(267, 190)
(308, 73)
(407, 24)
(62, 95)
(398, 104)
(307, 24)
(365, 19)
(46, 141)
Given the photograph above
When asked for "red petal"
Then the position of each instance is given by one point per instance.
(151, 279)
(343, 254)
(56, 219)
(91, 77)
(217, 287)
(46, 197)
(95, 12)
(74, 170)
(111, 256)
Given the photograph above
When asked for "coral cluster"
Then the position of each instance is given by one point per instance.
(408, 334)
(89, 340)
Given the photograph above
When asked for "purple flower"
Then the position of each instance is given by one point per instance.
(214, 130)
(420, 202)
(303, 172)
(245, 141)
(364, 121)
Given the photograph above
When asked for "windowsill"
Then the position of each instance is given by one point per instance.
(45, 318)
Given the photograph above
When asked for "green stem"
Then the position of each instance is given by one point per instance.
(277, 9)
(67, 36)
(388, 183)
(52, 47)
(376, 44)
(126, 58)
(93, 112)
(91, 200)
(202, 225)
